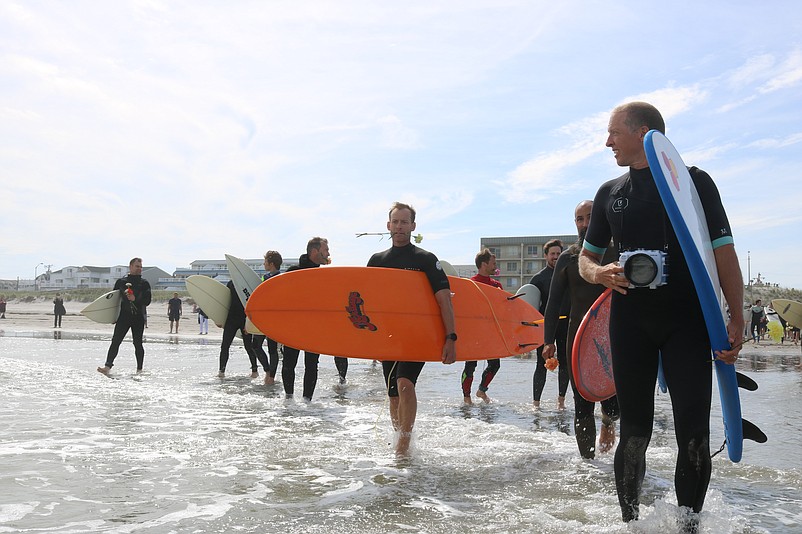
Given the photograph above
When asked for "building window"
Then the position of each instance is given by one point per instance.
(493, 251)
(531, 250)
(530, 267)
(512, 266)
(512, 282)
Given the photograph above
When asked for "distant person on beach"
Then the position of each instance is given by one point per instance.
(666, 321)
(400, 377)
(235, 322)
(486, 264)
(174, 312)
(542, 280)
(317, 254)
(59, 310)
(582, 295)
(2, 308)
(758, 318)
(203, 322)
(273, 262)
(136, 297)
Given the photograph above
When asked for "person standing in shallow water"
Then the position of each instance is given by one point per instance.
(136, 296)
(317, 254)
(665, 323)
(486, 264)
(58, 310)
(542, 280)
(582, 295)
(400, 377)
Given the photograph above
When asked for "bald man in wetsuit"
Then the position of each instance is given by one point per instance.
(567, 281)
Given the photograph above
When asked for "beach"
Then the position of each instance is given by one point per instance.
(37, 316)
(176, 449)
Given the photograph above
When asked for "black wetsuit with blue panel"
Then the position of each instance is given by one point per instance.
(646, 323)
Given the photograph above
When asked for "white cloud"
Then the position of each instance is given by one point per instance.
(394, 134)
(789, 74)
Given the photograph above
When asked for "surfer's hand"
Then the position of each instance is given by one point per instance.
(612, 276)
(728, 356)
(548, 351)
(449, 352)
(734, 330)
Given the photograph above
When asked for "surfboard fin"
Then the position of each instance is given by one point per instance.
(745, 382)
(751, 431)
(528, 323)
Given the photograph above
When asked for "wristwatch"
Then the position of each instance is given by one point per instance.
(452, 336)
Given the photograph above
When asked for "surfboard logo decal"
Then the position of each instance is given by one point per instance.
(672, 169)
(355, 314)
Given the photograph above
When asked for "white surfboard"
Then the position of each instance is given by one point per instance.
(530, 294)
(211, 296)
(448, 268)
(104, 309)
(245, 282)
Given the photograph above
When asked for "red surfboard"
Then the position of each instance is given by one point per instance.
(390, 314)
(591, 356)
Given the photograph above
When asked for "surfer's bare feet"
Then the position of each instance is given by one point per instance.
(467, 400)
(221, 374)
(607, 436)
(402, 445)
(482, 395)
(536, 404)
(561, 403)
(104, 370)
(254, 374)
(269, 380)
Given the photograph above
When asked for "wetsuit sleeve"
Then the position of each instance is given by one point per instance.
(146, 296)
(557, 292)
(436, 275)
(599, 233)
(717, 222)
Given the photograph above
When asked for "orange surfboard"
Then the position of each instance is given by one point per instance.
(390, 314)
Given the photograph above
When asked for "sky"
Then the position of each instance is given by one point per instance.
(186, 130)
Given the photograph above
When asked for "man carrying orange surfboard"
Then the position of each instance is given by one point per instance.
(317, 254)
(401, 377)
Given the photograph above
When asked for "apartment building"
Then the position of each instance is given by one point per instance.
(520, 258)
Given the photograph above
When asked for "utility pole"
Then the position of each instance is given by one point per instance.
(749, 276)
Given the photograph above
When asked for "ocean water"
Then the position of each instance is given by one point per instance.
(176, 449)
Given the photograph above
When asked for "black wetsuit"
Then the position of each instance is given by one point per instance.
(542, 280)
(132, 317)
(410, 258)
(235, 321)
(567, 282)
(646, 323)
(59, 311)
(272, 345)
(311, 360)
(174, 309)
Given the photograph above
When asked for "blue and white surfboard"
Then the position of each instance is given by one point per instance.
(685, 211)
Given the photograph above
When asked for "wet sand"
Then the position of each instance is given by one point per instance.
(38, 317)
